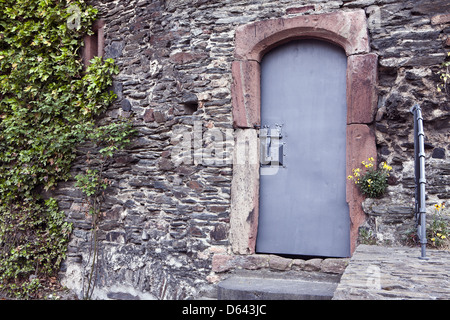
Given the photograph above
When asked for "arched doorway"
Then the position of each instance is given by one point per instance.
(346, 29)
(302, 198)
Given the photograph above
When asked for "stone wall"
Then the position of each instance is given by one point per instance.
(166, 217)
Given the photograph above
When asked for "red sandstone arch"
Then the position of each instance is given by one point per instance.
(347, 29)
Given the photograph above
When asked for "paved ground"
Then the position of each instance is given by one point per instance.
(377, 272)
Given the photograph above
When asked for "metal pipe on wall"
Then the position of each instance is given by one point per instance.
(420, 181)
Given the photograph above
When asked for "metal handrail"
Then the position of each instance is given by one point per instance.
(420, 181)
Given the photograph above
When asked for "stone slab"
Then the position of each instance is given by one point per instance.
(244, 192)
(246, 94)
(440, 19)
(395, 273)
(263, 288)
(362, 98)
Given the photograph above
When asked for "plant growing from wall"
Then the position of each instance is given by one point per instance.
(48, 104)
(444, 75)
(106, 141)
(372, 182)
(438, 230)
(366, 237)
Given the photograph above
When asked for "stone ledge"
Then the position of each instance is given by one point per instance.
(224, 263)
(266, 288)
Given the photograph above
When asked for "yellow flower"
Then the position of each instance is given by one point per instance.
(356, 172)
(350, 177)
(440, 206)
(443, 237)
(385, 166)
(438, 234)
(433, 239)
(371, 159)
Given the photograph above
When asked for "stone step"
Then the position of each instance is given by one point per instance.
(269, 287)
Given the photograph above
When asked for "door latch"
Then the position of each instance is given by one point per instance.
(271, 151)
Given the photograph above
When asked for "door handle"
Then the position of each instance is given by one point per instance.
(268, 143)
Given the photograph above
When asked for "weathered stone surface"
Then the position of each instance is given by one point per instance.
(186, 57)
(427, 7)
(165, 222)
(439, 153)
(280, 263)
(383, 273)
(244, 192)
(246, 94)
(440, 19)
(223, 263)
(252, 262)
(360, 146)
(348, 29)
(336, 266)
(312, 265)
(301, 9)
(148, 115)
(273, 287)
(362, 99)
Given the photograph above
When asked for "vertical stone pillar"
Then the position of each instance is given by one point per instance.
(362, 95)
(246, 94)
(362, 99)
(245, 192)
(360, 146)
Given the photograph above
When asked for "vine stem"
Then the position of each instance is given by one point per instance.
(94, 258)
(96, 207)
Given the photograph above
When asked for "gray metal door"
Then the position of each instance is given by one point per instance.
(303, 207)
